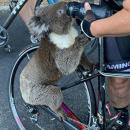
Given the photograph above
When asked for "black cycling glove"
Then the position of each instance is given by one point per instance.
(77, 10)
(86, 23)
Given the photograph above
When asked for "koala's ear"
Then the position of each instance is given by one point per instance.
(37, 26)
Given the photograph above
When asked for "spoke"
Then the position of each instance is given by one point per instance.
(28, 57)
(75, 83)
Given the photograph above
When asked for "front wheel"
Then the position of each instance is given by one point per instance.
(79, 99)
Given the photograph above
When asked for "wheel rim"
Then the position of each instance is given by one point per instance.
(11, 93)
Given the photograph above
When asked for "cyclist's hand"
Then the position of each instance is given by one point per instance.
(88, 19)
(89, 16)
(76, 10)
(83, 12)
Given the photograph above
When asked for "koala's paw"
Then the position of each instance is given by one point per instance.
(54, 99)
(82, 39)
(60, 113)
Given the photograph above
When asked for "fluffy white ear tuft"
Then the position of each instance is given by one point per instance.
(36, 27)
(40, 9)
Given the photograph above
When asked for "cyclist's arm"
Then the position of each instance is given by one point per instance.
(116, 25)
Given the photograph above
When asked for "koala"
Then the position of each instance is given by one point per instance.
(60, 52)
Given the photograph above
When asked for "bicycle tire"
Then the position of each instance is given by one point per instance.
(12, 90)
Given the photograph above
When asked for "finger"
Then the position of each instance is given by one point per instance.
(87, 6)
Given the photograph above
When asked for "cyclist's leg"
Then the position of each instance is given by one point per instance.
(119, 91)
(119, 88)
(27, 11)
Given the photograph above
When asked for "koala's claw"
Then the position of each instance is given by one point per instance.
(82, 39)
(60, 114)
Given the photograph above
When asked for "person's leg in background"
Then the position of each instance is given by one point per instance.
(116, 51)
(27, 11)
(119, 92)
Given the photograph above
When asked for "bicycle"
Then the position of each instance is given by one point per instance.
(96, 113)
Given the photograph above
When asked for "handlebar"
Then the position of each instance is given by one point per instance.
(100, 11)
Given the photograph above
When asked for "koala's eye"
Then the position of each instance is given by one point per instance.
(60, 12)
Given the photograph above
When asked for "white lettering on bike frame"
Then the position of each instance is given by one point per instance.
(17, 7)
(118, 66)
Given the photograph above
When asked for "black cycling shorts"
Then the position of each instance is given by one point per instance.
(117, 54)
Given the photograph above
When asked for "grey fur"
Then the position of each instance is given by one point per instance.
(49, 63)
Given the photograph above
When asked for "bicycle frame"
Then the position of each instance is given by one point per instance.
(17, 9)
(7, 23)
(14, 13)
